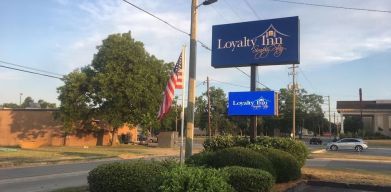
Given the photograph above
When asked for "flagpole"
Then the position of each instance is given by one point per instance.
(183, 101)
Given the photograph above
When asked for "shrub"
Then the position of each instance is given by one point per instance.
(286, 166)
(127, 176)
(199, 159)
(219, 142)
(246, 179)
(195, 179)
(239, 156)
(294, 147)
(225, 141)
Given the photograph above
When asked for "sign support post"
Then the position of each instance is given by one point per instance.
(253, 87)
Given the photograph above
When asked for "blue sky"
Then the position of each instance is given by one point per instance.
(341, 50)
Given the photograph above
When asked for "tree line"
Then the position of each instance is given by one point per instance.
(30, 103)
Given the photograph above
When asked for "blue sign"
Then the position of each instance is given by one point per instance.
(265, 42)
(260, 103)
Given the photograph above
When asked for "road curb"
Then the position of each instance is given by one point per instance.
(355, 160)
(349, 186)
(305, 183)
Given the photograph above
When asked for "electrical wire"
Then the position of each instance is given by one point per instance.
(228, 83)
(332, 6)
(156, 17)
(26, 71)
(252, 9)
(30, 68)
(179, 30)
(250, 77)
(233, 10)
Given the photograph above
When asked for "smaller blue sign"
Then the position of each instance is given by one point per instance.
(258, 103)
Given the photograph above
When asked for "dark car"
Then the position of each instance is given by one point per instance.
(315, 141)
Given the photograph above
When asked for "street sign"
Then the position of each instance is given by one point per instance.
(257, 103)
(264, 42)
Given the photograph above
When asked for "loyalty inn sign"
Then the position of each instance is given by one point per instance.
(265, 42)
(260, 103)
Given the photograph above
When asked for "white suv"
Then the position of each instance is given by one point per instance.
(347, 143)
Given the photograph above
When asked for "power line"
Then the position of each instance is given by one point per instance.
(228, 83)
(35, 69)
(305, 77)
(156, 17)
(252, 9)
(26, 71)
(332, 6)
(250, 77)
(166, 22)
(221, 15)
(177, 29)
(233, 10)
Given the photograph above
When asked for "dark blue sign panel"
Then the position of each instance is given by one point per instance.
(260, 103)
(265, 42)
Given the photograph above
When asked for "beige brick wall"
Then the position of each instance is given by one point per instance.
(31, 128)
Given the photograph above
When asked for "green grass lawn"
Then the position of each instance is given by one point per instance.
(61, 154)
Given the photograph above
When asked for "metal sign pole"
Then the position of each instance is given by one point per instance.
(253, 86)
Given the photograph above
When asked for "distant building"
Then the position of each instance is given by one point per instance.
(32, 128)
(376, 114)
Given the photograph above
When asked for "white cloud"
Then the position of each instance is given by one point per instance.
(328, 36)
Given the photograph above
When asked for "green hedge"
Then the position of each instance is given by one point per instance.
(225, 141)
(199, 159)
(239, 156)
(246, 179)
(286, 166)
(195, 179)
(127, 176)
(294, 147)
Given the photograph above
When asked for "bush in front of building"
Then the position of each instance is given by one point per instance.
(199, 159)
(139, 175)
(197, 179)
(286, 166)
(225, 141)
(246, 179)
(294, 147)
(239, 156)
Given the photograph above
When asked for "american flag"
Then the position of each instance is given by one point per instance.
(175, 82)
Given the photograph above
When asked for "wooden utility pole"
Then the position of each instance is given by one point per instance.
(329, 116)
(192, 81)
(208, 93)
(361, 119)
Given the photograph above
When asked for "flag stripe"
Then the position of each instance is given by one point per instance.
(174, 82)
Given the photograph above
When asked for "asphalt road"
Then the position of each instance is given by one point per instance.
(50, 177)
(343, 164)
(46, 178)
(375, 151)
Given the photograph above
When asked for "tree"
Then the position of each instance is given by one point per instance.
(46, 105)
(352, 124)
(123, 85)
(10, 105)
(218, 110)
(308, 112)
(28, 101)
(77, 108)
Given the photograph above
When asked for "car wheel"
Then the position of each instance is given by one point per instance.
(358, 148)
(334, 148)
